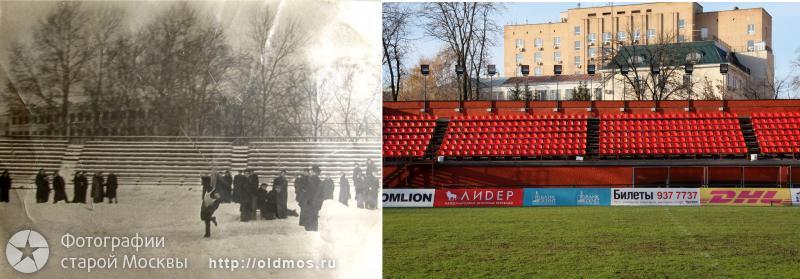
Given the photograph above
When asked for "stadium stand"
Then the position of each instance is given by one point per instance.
(23, 158)
(777, 133)
(268, 158)
(687, 134)
(407, 135)
(515, 136)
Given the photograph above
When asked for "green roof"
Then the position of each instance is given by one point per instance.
(675, 54)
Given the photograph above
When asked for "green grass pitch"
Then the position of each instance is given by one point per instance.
(592, 242)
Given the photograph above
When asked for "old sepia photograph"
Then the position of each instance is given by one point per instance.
(190, 139)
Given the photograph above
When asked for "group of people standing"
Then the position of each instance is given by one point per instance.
(101, 188)
(311, 190)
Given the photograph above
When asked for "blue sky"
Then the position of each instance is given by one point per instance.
(785, 20)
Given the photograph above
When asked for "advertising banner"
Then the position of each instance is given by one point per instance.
(566, 197)
(795, 197)
(478, 197)
(746, 196)
(655, 196)
(408, 197)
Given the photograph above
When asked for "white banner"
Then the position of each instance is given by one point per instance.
(795, 196)
(655, 196)
(408, 197)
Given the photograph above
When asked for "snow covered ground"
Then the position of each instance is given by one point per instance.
(348, 235)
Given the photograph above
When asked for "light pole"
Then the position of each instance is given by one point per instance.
(557, 71)
(591, 69)
(623, 69)
(654, 71)
(525, 70)
(491, 70)
(459, 73)
(691, 59)
(723, 69)
(425, 70)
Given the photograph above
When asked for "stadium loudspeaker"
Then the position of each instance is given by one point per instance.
(623, 69)
(459, 69)
(591, 69)
(723, 68)
(688, 68)
(425, 69)
(655, 70)
(557, 69)
(525, 69)
(491, 69)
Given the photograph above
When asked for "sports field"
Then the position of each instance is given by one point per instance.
(592, 242)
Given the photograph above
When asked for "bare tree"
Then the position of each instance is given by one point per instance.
(105, 29)
(396, 21)
(464, 27)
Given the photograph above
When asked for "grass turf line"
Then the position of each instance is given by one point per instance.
(592, 242)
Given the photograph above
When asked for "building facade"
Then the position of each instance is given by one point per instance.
(584, 35)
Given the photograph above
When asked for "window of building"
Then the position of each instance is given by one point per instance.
(537, 57)
(621, 36)
(704, 33)
(592, 38)
(651, 33)
(751, 45)
(537, 71)
(538, 42)
(681, 24)
(577, 45)
(577, 60)
(557, 57)
(557, 41)
(637, 35)
(592, 52)
(519, 58)
(751, 29)
(606, 37)
(681, 38)
(520, 43)
(577, 30)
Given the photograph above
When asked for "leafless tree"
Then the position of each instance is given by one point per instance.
(396, 22)
(465, 27)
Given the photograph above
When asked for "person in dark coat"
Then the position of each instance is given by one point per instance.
(358, 182)
(81, 183)
(281, 185)
(59, 188)
(370, 166)
(328, 188)
(5, 186)
(267, 202)
(344, 190)
(238, 185)
(225, 187)
(314, 196)
(371, 191)
(252, 189)
(98, 193)
(207, 208)
(111, 187)
(300, 187)
(42, 187)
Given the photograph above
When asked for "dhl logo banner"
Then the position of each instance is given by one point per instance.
(745, 196)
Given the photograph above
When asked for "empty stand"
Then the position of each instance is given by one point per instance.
(515, 136)
(777, 133)
(671, 134)
(24, 157)
(268, 158)
(407, 135)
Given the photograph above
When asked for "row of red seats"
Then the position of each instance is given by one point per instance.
(775, 120)
(791, 114)
(670, 128)
(514, 152)
(403, 147)
(403, 153)
(635, 145)
(514, 136)
(409, 124)
(515, 141)
(407, 130)
(669, 140)
(781, 126)
(515, 129)
(787, 143)
(408, 117)
(676, 151)
(405, 142)
(671, 134)
(780, 150)
(540, 123)
(518, 117)
(700, 115)
(777, 132)
(407, 136)
(660, 122)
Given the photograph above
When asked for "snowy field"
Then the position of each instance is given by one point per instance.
(348, 235)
